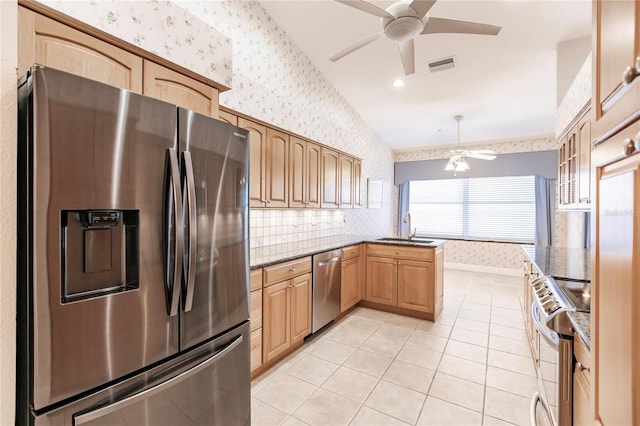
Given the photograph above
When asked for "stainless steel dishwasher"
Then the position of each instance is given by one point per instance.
(327, 269)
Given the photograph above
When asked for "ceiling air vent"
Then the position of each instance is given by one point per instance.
(442, 64)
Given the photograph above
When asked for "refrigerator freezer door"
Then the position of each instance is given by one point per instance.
(215, 279)
(99, 184)
(206, 386)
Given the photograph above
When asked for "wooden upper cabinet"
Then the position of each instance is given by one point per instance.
(346, 181)
(313, 178)
(357, 183)
(277, 170)
(330, 179)
(257, 161)
(584, 161)
(170, 86)
(46, 42)
(616, 47)
(304, 173)
(297, 172)
(227, 117)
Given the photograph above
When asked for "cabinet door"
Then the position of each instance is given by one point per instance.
(50, 43)
(617, 46)
(297, 172)
(227, 117)
(257, 161)
(170, 86)
(415, 285)
(300, 289)
(346, 181)
(350, 283)
(616, 318)
(256, 349)
(277, 183)
(313, 175)
(382, 284)
(584, 172)
(330, 179)
(276, 335)
(357, 183)
(255, 302)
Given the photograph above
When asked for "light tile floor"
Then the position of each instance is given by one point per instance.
(472, 367)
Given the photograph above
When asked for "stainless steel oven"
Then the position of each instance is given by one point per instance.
(553, 341)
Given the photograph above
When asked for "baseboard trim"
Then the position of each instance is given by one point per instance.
(482, 268)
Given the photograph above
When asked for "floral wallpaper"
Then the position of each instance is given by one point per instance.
(577, 96)
(160, 27)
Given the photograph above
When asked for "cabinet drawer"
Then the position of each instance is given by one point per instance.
(255, 301)
(580, 351)
(399, 252)
(286, 271)
(255, 279)
(256, 349)
(350, 252)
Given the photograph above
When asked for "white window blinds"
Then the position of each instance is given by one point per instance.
(493, 208)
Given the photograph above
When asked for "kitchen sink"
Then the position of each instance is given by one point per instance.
(415, 240)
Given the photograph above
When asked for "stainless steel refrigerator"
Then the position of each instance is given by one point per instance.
(132, 259)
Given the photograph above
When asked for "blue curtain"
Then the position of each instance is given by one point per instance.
(403, 207)
(545, 210)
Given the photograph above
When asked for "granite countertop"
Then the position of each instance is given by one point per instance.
(561, 262)
(269, 255)
(581, 322)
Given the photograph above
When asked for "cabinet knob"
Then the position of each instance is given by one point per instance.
(292, 270)
(631, 72)
(628, 146)
(267, 202)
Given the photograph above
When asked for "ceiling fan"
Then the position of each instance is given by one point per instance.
(457, 162)
(403, 21)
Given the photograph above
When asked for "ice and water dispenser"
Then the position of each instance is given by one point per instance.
(99, 252)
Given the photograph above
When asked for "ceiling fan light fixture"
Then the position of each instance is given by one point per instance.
(398, 83)
(403, 28)
(450, 166)
(462, 165)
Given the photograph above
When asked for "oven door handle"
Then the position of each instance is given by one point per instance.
(552, 339)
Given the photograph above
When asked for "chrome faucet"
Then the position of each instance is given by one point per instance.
(407, 219)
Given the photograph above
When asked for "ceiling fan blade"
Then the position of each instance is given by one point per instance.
(443, 25)
(407, 55)
(365, 6)
(422, 7)
(481, 156)
(355, 46)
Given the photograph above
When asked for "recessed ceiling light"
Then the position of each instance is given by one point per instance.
(398, 83)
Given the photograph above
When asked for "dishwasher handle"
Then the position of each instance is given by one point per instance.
(328, 261)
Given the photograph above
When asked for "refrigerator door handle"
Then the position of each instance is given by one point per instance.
(119, 405)
(193, 232)
(173, 283)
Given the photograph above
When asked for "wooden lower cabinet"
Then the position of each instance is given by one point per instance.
(582, 408)
(407, 278)
(350, 282)
(256, 349)
(615, 317)
(415, 285)
(286, 315)
(300, 308)
(276, 336)
(382, 280)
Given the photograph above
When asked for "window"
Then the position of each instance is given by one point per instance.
(494, 208)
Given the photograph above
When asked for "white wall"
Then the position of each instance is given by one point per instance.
(8, 160)
(570, 55)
